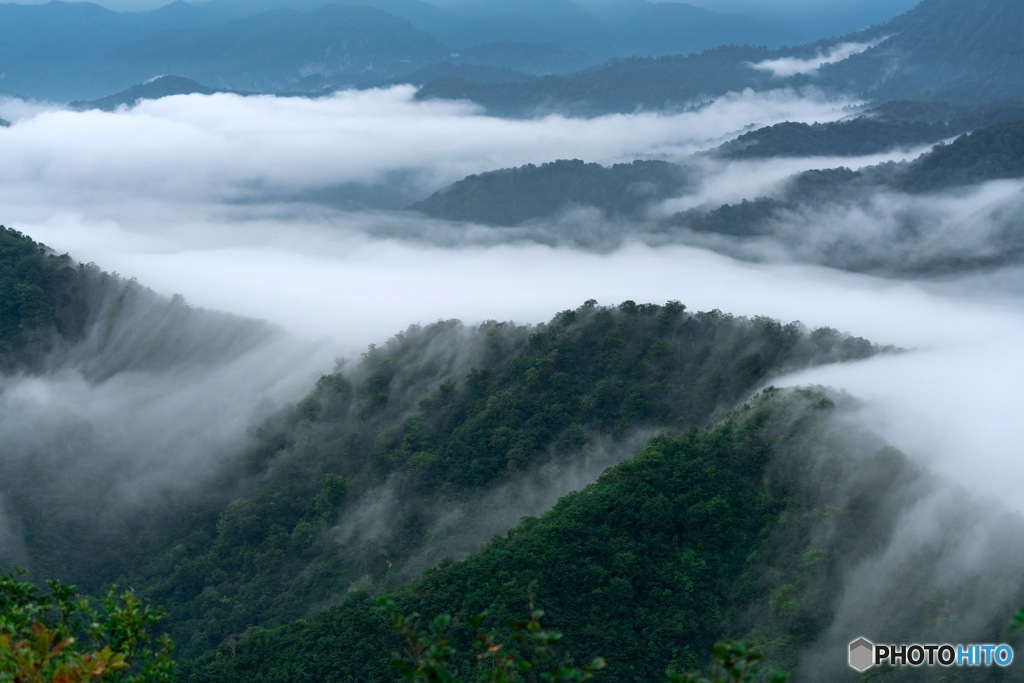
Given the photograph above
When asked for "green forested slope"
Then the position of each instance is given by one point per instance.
(40, 300)
(95, 379)
(416, 452)
(748, 528)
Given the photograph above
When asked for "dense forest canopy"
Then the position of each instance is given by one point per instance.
(654, 479)
(747, 527)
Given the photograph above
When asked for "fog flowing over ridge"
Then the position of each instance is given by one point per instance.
(228, 147)
(257, 206)
(792, 66)
(141, 410)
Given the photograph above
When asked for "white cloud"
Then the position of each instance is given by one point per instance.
(223, 147)
(784, 67)
(192, 195)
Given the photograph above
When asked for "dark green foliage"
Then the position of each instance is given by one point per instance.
(645, 566)
(746, 529)
(40, 300)
(732, 662)
(353, 487)
(428, 656)
(57, 319)
(513, 196)
(60, 636)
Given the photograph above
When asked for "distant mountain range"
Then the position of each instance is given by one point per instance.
(941, 51)
(533, 202)
(162, 86)
(80, 51)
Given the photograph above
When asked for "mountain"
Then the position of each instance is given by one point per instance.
(62, 51)
(861, 136)
(274, 50)
(70, 51)
(163, 86)
(513, 196)
(626, 85)
(941, 51)
(423, 16)
(763, 525)
(671, 28)
(352, 485)
(908, 236)
(356, 485)
(108, 386)
(80, 51)
(529, 21)
(883, 128)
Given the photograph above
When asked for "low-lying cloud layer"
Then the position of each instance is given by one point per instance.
(227, 148)
(210, 197)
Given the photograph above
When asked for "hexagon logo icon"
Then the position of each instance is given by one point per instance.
(862, 654)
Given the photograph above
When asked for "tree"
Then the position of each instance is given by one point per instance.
(429, 657)
(59, 637)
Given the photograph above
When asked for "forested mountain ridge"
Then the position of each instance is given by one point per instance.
(79, 350)
(888, 126)
(791, 214)
(943, 51)
(40, 299)
(915, 243)
(513, 196)
(748, 528)
(354, 486)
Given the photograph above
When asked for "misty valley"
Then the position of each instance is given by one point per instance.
(533, 340)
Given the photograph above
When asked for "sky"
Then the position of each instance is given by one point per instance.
(866, 7)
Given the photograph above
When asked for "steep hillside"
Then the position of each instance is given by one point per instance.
(942, 50)
(751, 528)
(355, 486)
(110, 390)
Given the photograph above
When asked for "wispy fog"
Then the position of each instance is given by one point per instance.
(784, 67)
(728, 182)
(222, 199)
(229, 148)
